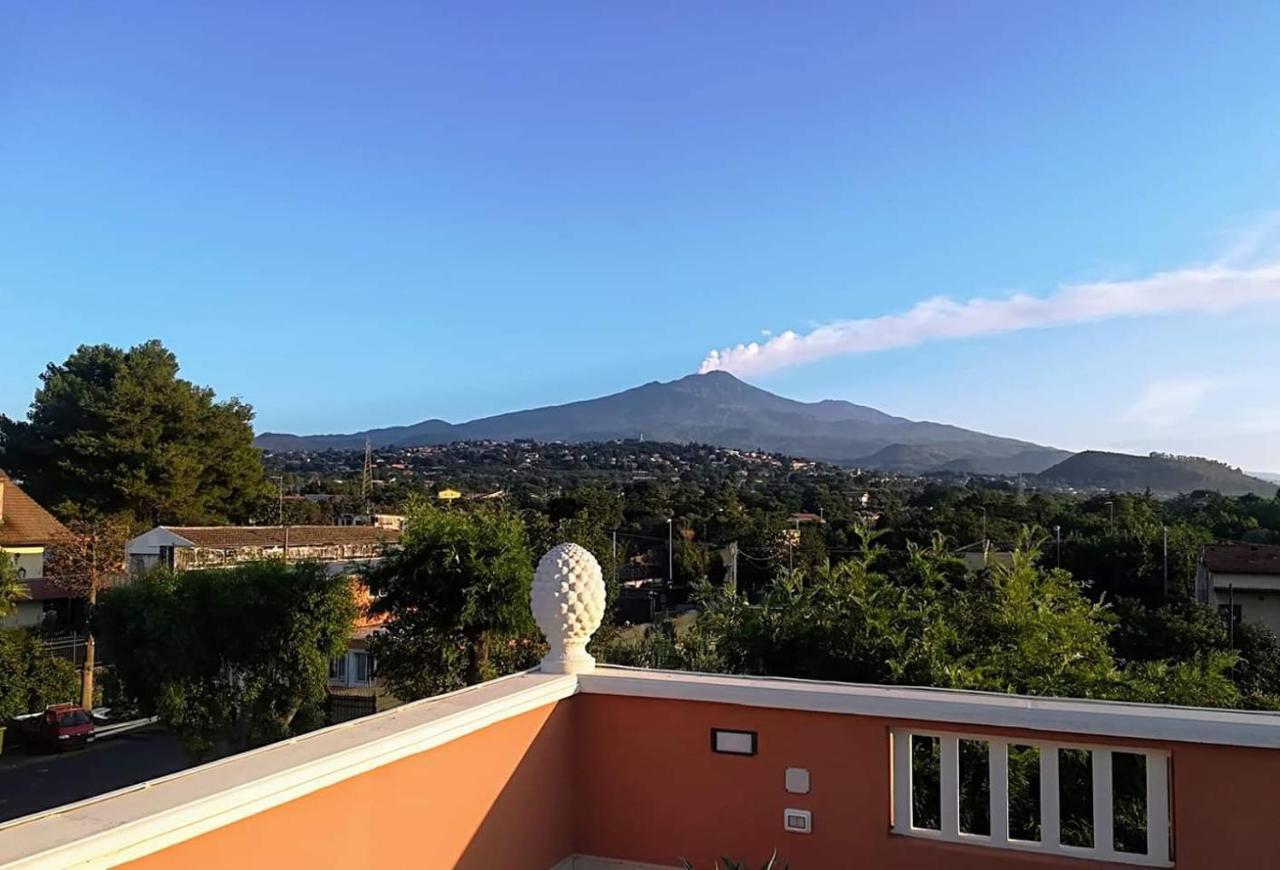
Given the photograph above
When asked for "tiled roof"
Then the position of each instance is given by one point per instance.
(232, 537)
(23, 523)
(1242, 558)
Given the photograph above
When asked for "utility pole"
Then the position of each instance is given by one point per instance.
(1165, 530)
(1111, 506)
(733, 549)
(671, 575)
(1057, 533)
(615, 557)
(284, 530)
(366, 475)
(984, 530)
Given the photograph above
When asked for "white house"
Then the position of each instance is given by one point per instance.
(1243, 580)
(381, 521)
(192, 547)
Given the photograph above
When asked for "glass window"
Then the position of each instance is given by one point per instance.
(73, 717)
(362, 661)
(338, 669)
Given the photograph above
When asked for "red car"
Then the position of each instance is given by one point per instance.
(65, 725)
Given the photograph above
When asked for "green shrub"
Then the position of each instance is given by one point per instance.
(30, 677)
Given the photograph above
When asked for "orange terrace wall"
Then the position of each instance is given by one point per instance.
(635, 779)
(650, 789)
(500, 797)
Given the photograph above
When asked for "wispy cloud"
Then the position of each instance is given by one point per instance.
(1256, 240)
(1168, 401)
(1205, 289)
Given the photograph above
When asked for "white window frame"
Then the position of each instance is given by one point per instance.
(1103, 849)
(353, 667)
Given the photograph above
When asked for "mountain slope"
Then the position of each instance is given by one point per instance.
(717, 408)
(426, 432)
(1160, 473)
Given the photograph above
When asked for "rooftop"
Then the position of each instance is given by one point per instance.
(23, 522)
(1238, 558)
(231, 537)
(582, 767)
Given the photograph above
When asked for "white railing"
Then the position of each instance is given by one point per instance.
(943, 821)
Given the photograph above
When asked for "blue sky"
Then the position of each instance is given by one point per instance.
(365, 214)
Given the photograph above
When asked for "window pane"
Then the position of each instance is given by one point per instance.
(1129, 796)
(926, 772)
(1075, 797)
(362, 667)
(1024, 793)
(975, 787)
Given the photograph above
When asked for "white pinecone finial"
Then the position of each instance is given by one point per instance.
(568, 603)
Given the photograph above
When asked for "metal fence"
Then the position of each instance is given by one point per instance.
(342, 708)
(70, 646)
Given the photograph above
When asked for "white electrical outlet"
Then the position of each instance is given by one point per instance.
(798, 821)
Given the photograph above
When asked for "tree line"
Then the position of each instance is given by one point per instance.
(841, 574)
(456, 599)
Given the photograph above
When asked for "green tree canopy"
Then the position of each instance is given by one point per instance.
(456, 596)
(921, 620)
(1033, 631)
(114, 431)
(229, 658)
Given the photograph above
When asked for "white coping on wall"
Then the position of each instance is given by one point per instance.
(1072, 716)
(127, 824)
(132, 822)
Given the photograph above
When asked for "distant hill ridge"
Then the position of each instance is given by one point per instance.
(717, 408)
(1162, 473)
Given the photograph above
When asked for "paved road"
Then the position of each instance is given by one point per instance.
(31, 784)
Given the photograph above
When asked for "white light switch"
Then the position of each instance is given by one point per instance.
(797, 780)
(799, 821)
